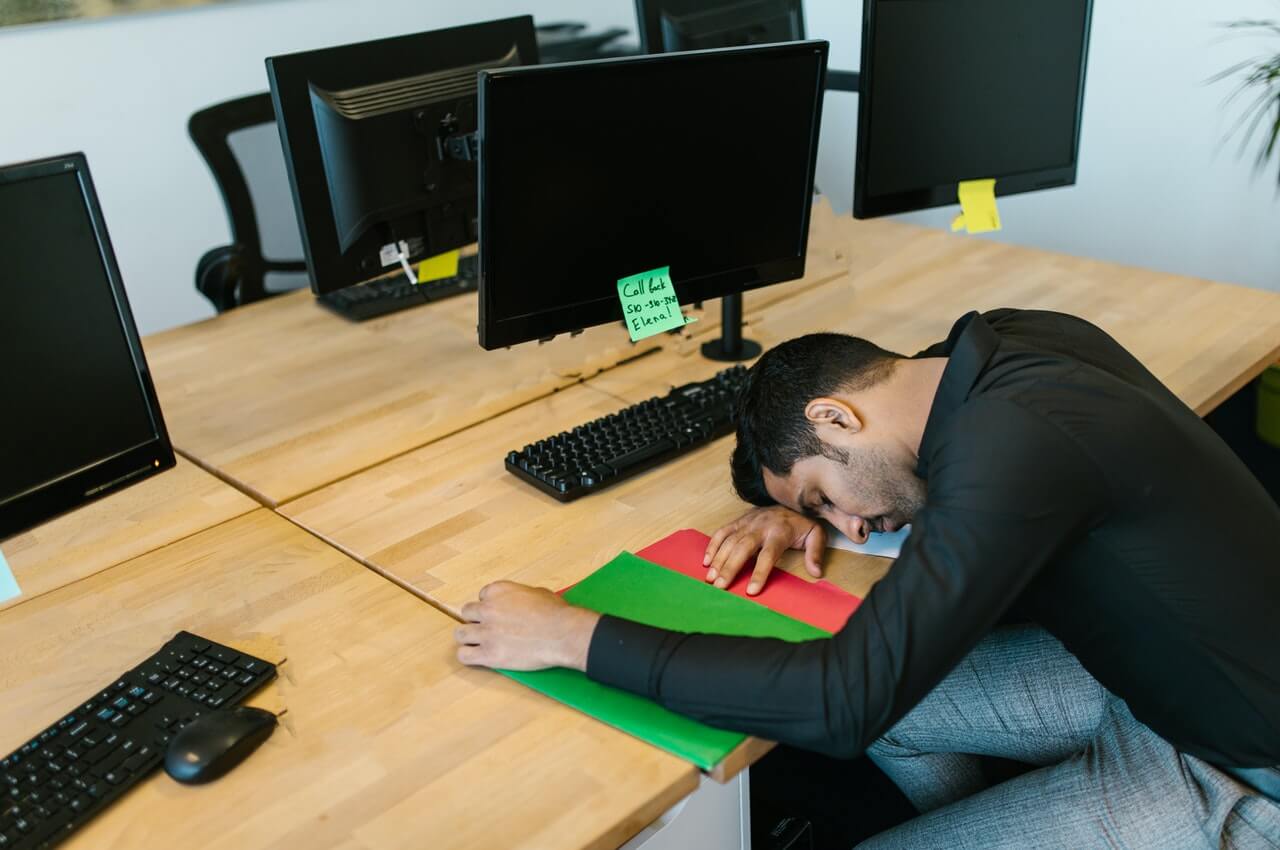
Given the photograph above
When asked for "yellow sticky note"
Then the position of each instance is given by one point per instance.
(978, 207)
(439, 266)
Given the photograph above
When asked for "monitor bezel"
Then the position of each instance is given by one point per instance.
(289, 77)
(872, 206)
(495, 332)
(22, 511)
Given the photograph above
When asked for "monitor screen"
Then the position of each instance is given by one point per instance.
(591, 172)
(956, 90)
(75, 388)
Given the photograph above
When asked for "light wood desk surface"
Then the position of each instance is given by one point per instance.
(146, 516)
(387, 742)
(283, 396)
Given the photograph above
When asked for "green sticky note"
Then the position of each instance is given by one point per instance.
(650, 304)
(636, 589)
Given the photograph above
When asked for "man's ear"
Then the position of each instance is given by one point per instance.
(832, 413)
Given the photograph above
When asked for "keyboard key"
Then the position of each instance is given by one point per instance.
(224, 655)
(115, 777)
(79, 804)
(137, 691)
(246, 679)
(106, 714)
(134, 762)
(136, 708)
(119, 720)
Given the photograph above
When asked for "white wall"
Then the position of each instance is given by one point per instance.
(1156, 185)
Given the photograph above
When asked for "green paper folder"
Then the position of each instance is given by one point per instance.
(638, 590)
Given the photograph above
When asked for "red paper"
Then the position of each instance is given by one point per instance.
(818, 603)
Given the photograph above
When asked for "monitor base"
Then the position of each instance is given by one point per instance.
(721, 350)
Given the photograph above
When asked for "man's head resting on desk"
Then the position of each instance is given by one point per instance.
(829, 425)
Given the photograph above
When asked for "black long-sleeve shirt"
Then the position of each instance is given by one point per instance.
(1066, 485)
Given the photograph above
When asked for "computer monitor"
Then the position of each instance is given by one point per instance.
(967, 90)
(594, 171)
(81, 417)
(670, 25)
(379, 139)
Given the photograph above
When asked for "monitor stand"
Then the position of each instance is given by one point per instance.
(731, 347)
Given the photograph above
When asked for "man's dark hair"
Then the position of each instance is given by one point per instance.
(773, 432)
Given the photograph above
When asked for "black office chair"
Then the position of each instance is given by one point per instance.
(236, 138)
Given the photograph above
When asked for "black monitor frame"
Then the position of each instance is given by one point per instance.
(69, 490)
(869, 206)
(292, 78)
(501, 332)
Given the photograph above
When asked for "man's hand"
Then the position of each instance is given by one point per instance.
(516, 627)
(769, 531)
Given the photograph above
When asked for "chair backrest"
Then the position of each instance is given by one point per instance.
(240, 144)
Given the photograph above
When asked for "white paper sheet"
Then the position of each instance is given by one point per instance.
(886, 545)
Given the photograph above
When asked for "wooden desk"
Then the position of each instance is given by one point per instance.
(386, 743)
(146, 516)
(283, 396)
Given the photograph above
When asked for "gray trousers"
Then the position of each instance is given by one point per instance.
(1104, 779)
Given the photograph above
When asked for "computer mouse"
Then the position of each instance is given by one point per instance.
(215, 742)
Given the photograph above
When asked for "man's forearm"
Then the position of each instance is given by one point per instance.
(760, 686)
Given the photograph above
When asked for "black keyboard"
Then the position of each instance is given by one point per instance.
(69, 772)
(613, 448)
(388, 295)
